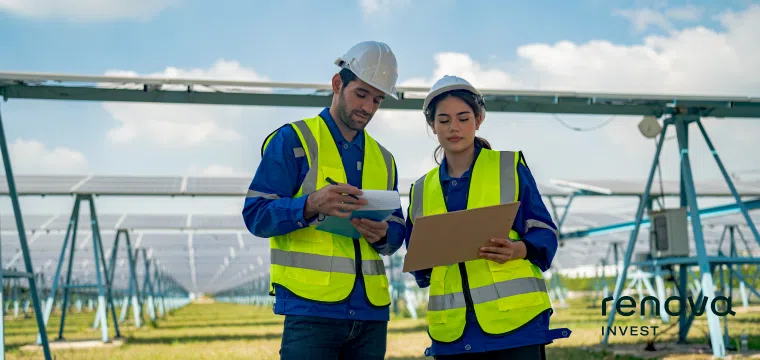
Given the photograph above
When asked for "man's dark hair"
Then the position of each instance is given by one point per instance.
(346, 77)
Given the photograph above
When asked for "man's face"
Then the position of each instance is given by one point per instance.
(357, 103)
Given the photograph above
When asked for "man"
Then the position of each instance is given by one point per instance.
(332, 289)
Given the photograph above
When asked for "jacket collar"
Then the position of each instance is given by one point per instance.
(337, 135)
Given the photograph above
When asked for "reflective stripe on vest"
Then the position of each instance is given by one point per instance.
(325, 263)
(504, 296)
(487, 293)
(315, 264)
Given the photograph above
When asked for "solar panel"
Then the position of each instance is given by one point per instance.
(217, 185)
(131, 185)
(41, 184)
(218, 222)
(575, 218)
(54, 242)
(669, 187)
(548, 190)
(61, 222)
(733, 219)
(154, 221)
(33, 221)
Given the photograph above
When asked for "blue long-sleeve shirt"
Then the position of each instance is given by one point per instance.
(537, 230)
(275, 212)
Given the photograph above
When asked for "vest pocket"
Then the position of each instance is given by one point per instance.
(435, 315)
(312, 261)
(516, 284)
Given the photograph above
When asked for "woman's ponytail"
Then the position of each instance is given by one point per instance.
(479, 141)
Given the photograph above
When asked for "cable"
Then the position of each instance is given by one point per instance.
(575, 128)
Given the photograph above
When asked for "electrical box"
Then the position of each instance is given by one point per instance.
(641, 256)
(668, 233)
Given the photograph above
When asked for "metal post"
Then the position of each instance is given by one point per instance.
(22, 240)
(148, 285)
(713, 322)
(730, 183)
(99, 252)
(617, 261)
(635, 232)
(67, 283)
(2, 308)
(131, 259)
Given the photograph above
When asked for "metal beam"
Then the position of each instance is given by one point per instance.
(155, 90)
(726, 209)
(24, 250)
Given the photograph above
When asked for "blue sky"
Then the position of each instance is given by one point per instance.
(587, 45)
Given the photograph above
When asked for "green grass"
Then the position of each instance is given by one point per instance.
(230, 331)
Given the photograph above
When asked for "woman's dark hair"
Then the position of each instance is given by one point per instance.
(475, 103)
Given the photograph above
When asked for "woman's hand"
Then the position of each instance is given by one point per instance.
(504, 250)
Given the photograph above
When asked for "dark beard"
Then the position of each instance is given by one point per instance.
(345, 115)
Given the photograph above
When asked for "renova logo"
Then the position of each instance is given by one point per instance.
(697, 309)
(627, 302)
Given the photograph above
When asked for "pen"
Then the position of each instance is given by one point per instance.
(331, 181)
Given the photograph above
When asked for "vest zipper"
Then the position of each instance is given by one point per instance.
(466, 288)
(358, 256)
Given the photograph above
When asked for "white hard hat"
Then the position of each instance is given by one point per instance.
(449, 83)
(374, 63)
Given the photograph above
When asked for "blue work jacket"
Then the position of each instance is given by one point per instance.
(541, 245)
(281, 173)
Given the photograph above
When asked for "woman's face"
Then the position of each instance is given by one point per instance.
(455, 124)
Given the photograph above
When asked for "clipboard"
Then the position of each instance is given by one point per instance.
(457, 236)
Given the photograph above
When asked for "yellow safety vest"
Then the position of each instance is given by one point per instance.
(503, 296)
(322, 266)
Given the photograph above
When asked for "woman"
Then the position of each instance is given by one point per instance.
(495, 307)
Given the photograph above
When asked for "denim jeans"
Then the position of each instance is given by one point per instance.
(317, 338)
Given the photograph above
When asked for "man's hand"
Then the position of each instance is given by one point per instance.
(504, 250)
(373, 231)
(334, 200)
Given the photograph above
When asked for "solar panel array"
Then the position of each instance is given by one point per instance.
(50, 184)
(238, 186)
(131, 185)
(161, 185)
(669, 188)
(224, 253)
(43, 222)
(217, 262)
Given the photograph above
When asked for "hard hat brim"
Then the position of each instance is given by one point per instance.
(444, 89)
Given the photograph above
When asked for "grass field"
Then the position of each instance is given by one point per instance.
(230, 331)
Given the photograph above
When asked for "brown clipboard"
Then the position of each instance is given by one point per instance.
(457, 236)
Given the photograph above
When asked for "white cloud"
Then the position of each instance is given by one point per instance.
(641, 19)
(33, 157)
(375, 7)
(694, 60)
(86, 10)
(686, 13)
(450, 63)
(180, 125)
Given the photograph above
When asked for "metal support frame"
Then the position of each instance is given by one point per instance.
(133, 294)
(29, 273)
(254, 290)
(148, 291)
(103, 280)
(689, 200)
